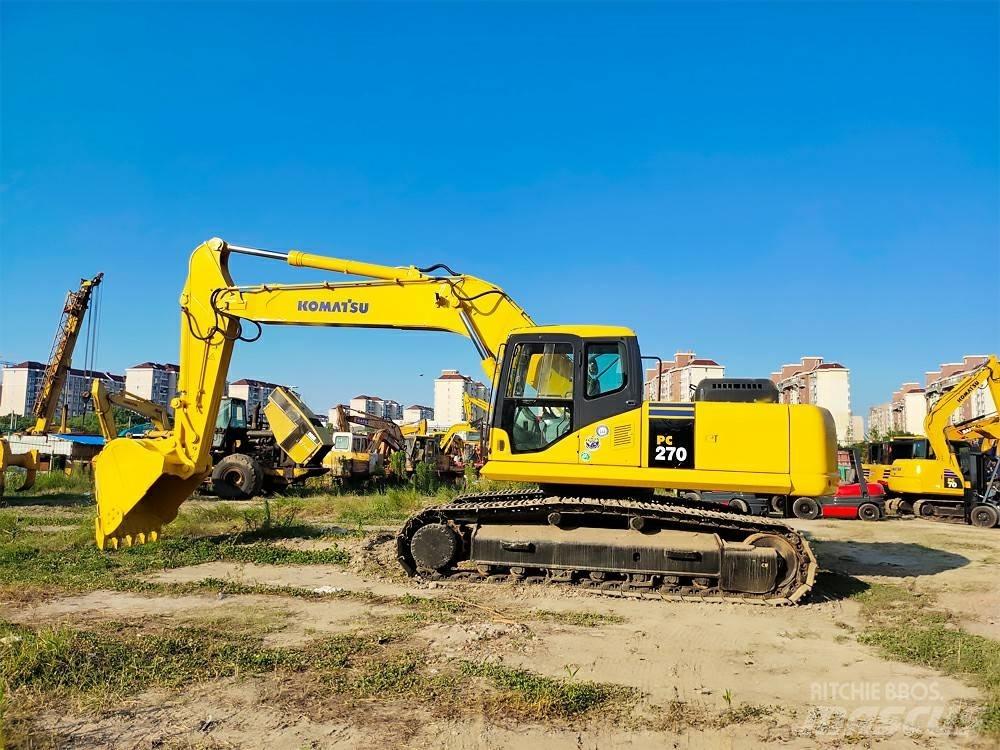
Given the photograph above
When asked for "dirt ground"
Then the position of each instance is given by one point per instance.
(797, 676)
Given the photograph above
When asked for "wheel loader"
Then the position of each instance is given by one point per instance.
(248, 456)
(568, 416)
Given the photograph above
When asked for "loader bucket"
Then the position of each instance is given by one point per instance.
(136, 492)
(27, 461)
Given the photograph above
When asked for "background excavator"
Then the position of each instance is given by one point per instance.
(568, 415)
(54, 379)
(952, 473)
(358, 456)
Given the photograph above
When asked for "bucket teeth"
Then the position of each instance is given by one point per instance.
(119, 541)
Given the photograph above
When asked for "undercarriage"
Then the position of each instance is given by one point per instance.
(617, 544)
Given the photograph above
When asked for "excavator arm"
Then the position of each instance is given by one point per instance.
(141, 482)
(984, 429)
(936, 425)
(104, 401)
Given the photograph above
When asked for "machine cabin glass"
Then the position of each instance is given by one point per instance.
(554, 384)
(539, 394)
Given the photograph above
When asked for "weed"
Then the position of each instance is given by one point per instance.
(537, 696)
(391, 508)
(905, 626)
(743, 713)
(579, 619)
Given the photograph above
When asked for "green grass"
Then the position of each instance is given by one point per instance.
(80, 566)
(907, 627)
(530, 695)
(50, 482)
(393, 507)
(62, 668)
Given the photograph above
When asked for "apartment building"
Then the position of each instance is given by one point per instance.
(905, 412)
(449, 388)
(416, 412)
(368, 405)
(678, 377)
(879, 420)
(826, 384)
(940, 381)
(23, 381)
(153, 381)
(392, 410)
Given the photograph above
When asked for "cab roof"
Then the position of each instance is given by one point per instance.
(583, 331)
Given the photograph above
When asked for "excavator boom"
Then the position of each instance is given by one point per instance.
(141, 482)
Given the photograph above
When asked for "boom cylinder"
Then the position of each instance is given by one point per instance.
(300, 259)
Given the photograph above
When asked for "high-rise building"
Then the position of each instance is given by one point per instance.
(826, 384)
(368, 405)
(678, 377)
(23, 381)
(904, 413)
(153, 381)
(392, 410)
(449, 388)
(416, 412)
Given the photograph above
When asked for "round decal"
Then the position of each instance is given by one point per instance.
(602, 430)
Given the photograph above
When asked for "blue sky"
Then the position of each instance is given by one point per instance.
(754, 182)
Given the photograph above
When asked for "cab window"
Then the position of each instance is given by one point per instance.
(605, 368)
(538, 409)
(342, 443)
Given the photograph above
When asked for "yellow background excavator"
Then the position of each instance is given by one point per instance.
(947, 474)
(568, 415)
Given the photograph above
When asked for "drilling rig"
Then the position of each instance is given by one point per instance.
(54, 379)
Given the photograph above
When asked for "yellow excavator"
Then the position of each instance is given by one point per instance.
(985, 431)
(568, 415)
(53, 381)
(946, 474)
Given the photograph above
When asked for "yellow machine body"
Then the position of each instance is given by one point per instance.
(760, 448)
(542, 375)
(349, 456)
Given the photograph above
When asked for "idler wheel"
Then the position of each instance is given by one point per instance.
(784, 549)
(435, 546)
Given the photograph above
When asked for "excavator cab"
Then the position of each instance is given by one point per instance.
(553, 383)
(230, 425)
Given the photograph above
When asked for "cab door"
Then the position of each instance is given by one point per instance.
(609, 397)
(535, 402)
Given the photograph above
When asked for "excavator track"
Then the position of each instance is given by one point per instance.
(620, 546)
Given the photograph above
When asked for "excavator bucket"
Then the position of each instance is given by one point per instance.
(139, 489)
(27, 461)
